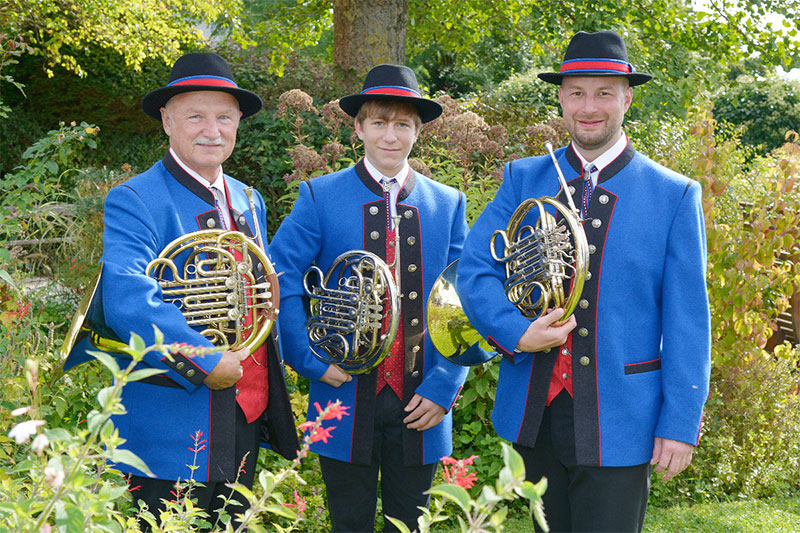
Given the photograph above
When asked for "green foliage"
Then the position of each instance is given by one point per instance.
(136, 30)
(747, 516)
(765, 108)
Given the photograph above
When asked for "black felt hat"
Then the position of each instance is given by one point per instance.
(200, 71)
(596, 54)
(391, 82)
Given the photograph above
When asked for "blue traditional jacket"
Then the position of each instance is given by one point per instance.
(164, 412)
(346, 211)
(641, 348)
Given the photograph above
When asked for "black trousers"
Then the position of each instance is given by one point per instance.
(582, 498)
(353, 489)
(153, 491)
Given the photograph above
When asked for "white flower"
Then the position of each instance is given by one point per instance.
(40, 443)
(22, 432)
(20, 411)
(54, 478)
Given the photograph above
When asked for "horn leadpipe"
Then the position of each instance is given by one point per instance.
(549, 146)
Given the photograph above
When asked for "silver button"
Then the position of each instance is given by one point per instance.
(412, 295)
(592, 248)
(585, 361)
(564, 376)
(603, 199)
(373, 210)
(237, 392)
(565, 351)
(583, 332)
(260, 267)
(211, 223)
(596, 223)
(408, 213)
(415, 374)
(414, 321)
(583, 304)
(571, 190)
(411, 241)
(190, 373)
(415, 349)
(388, 374)
(241, 220)
(588, 276)
(179, 365)
(374, 235)
(412, 268)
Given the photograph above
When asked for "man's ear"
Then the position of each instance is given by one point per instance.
(357, 127)
(166, 121)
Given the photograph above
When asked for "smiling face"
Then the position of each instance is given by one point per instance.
(388, 136)
(593, 110)
(201, 126)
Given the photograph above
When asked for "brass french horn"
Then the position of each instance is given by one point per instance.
(355, 309)
(546, 266)
(227, 285)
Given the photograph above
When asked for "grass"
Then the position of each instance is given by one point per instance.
(751, 516)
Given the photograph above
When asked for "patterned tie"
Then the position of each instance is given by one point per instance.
(219, 201)
(387, 197)
(588, 170)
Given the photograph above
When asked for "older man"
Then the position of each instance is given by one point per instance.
(628, 389)
(203, 418)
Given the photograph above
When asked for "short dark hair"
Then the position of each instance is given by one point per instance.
(385, 109)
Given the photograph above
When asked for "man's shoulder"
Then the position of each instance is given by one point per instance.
(143, 181)
(436, 187)
(659, 172)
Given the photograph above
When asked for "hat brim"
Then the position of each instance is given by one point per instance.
(428, 109)
(634, 78)
(249, 102)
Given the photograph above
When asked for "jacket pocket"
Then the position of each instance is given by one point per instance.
(645, 366)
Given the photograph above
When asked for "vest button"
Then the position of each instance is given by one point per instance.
(583, 304)
(373, 210)
(211, 223)
(411, 241)
(588, 276)
(584, 361)
(237, 392)
(190, 373)
(415, 374)
(596, 223)
(564, 376)
(412, 295)
(241, 220)
(603, 199)
(583, 332)
(412, 268)
(592, 248)
(179, 365)
(408, 213)
(414, 321)
(415, 349)
(388, 374)
(374, 235)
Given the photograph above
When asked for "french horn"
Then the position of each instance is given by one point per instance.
(546, 266)
(355, 309)
(227, 286)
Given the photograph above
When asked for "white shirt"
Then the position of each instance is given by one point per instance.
(400, 180)
(604, 159)
(217, 188)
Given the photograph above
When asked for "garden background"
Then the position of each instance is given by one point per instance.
(721, 110)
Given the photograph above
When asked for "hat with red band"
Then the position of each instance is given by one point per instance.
(596, 54)
(200, 71)
(391, 82)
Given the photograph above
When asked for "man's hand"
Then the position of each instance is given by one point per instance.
(671, 456)
(424, 413)
(228, 370)
(335, 376)
(545, 332)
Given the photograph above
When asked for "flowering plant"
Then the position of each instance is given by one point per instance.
(486, 512)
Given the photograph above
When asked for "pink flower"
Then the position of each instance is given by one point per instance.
(458, 472)
(299, 502)
(322, 434)
(332, 410)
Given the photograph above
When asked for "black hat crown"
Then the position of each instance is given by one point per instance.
(391, 82)
(200, 71)
(596, 54)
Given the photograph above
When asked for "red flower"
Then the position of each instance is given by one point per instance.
(322, 434)
(332, 410)
(458, 472)
(299, 502)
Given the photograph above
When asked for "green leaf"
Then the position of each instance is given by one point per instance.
(137, 343)
(499, 518)
(514, 461)
(107, 360)
(57, 434)
(454, 493)
(127, 457)
(280, 510)
(104, 396)
(136, 375)
(52, 166)
(401, 526)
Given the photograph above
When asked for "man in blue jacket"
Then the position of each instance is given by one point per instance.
(400, 422)
(626, 387)
(210, 411)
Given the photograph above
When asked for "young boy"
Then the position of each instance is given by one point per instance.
(400, 423)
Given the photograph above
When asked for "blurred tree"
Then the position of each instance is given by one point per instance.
(135, 29)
